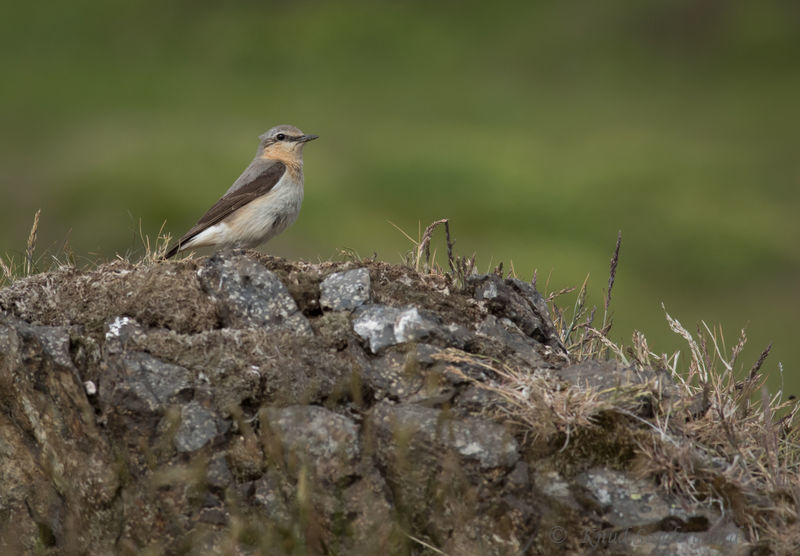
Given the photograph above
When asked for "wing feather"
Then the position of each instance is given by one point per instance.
(261, 184)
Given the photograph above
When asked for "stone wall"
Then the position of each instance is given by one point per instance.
(247, 404)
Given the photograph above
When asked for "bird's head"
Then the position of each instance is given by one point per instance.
(284, 142)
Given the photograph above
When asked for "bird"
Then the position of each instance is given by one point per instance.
(261, 203)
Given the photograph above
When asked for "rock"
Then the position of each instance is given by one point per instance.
(395, 374)
(519, 477)
(324, 441)
(376, 324)
(54, 458)
(215, 516)
(647, 522)
(410, 326)
(343, 291)
(637, 518)
(269, 498)
(198, 427)
(509, 334)
(429, 432)
(614, 382)
(518, 302)
(121, 332)
(439, 468)
(90, 387)
(250, 295)
(373, 524)
(382, 326)
(140, 383)
(218, 474)
(412, 373)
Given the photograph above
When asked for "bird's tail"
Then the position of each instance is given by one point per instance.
(172, 252)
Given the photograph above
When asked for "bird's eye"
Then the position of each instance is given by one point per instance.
(280, 137)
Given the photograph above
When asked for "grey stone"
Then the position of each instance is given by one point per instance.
(478, 440)
(656, 525)
(325, 441)
(508, 333)
(382, 326)
(90, 388)
(51, 446)
(720, 539)
(267, 496)
(141, 383)
(395, 374)
(424, 354)
(215, 516)
(638, 518)
(617, 384)
(373, 522)
(519, 476)
(411, 326)
(198, 427)
(375, 324)
(345, 290)
(486, 442)
(54, 341)
(410, 373)
(477, 400)
(520, 303)
(218, 474)
(250, 296)
(120, 332)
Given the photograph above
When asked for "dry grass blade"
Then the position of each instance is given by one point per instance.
(154, 253)
(757, 366)
(640, 350)
(424, 245)
(580, 306)
(31, 246)
(697, 365)
(601, 337)
(612, 275)
(553, 295)
(424, 544)
(450, 244)
(347, 254)
(8, 271)
(399, 229)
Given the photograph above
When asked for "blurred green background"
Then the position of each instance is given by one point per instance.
(539, 129)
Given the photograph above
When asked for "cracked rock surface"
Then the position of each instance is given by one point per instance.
(246, 404)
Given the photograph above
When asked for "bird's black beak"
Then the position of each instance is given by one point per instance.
(307, 138)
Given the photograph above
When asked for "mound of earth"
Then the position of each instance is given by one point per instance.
(248, 404)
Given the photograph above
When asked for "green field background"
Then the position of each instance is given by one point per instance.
(539, 129)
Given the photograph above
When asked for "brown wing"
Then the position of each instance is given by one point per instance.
(230, 202)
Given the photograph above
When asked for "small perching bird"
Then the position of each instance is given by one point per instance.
(262, 203)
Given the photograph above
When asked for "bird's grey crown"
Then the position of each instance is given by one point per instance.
(285, 129)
